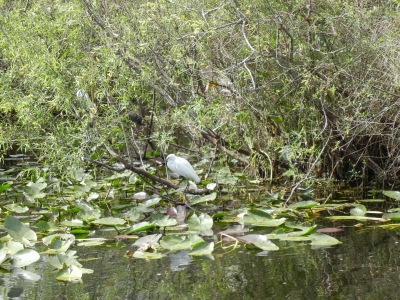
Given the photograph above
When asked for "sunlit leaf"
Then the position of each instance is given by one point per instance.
(148, 240)
(206, 198)
(260, 241)
(4, 187)
(304, 204)
(91, 243)
(202, 248)
(175, 242)
(110, 221)
(72, 273)
(25, 257)
(62, 260)
(257, 217)
(165, 221)
(140, 196)
(323, 240)
(58, 243)
(392, 216)
(33, 190)
(19, 231)
(16, 208)
(392, 194)
(147, 255)
(200, 223)
(358, 210)
(142, 226)
(356, 218)
(72, 223)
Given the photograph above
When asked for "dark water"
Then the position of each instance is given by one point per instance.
(365, 266)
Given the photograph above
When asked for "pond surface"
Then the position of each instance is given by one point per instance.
(365, 266)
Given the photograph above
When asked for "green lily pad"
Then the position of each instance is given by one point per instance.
(165, 221)
(392, 194)
(19, 231)
(71, 274)
(147, 255)
(202, 248)
(148, 241)
(206, 198)
(175, 242)
(255, 217)
(96, 242)
(72, 223)
(358, 210)
(392, 216)
(142, 226)
(33, 190)
(260, 241)
(24, 258)
(16, 208)
(356, 218)
(58, 243)
(304, 204)
(110, 221)
(323, 240)
(14, 247)
(61, 260)
(200, 223)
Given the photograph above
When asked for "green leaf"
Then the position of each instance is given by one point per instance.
(255, 217)
(24, 258)
(110, 221)
(72, 273)
(202, 248)
(33, 190)
(58, 243)
(323, 240)
(358, 210)
(304, 204)
(19, 231)
(165, 221)
(142, 226)
(147, 255)
(148, 241)
(200, 223)
(392, 216)
(260, 241)
(96, 242)
(4, 187)
(16, 208)
(392, 194)
(72, 223)
(175, 242)
(356, 218)
(206, 198)
(62, 260)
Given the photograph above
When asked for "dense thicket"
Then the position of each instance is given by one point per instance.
(311, 86)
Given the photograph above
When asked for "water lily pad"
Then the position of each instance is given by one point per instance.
(260, 241)
(34, 190)
(110, 221)
(72, 273)
(148, 240)
(91, 243)
(19, 231)
(257, 217)
(206, 198)
(358, 210)
(72, 223)
(147, 255)
(200, 223)
(323, 240)
(13, 247)
(304, 204)
(202, 248)
(392, 216)
(58, 243)
(16, 208)
(175, 242)
(62, 260)
(392, 194)
(165, 221)
(142, 226)
(25, 257)
(356, 218)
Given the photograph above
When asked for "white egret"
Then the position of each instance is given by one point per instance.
(182, 167)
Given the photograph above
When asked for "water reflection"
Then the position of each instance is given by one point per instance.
(365, 266)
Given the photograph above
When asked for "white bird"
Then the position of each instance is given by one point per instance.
(182, 167)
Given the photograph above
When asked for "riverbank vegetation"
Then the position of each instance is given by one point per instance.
(303, 89)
